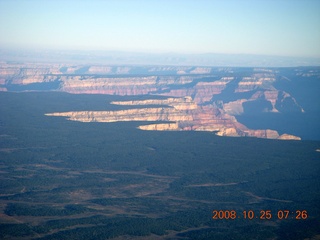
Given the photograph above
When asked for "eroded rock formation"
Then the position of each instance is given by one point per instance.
(200, 98)
(182, 113)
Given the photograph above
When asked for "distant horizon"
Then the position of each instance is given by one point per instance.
(273, 28)
(151, 52)
(114, 57)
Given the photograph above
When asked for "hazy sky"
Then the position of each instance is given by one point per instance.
(272, 27)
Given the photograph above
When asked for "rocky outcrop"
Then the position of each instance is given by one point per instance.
(203, 91)
(185, 103)
(201, 83)
(24, 74)
(234, 107)
(112, 86)
(182, 113)
(120, 85)
(274, 97)
(288, 137)
(256, 81)
(161, 127)
(143, 114)
(198, 98)
(201, 70)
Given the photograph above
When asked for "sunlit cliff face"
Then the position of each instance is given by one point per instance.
(199, 97)
(182, 114)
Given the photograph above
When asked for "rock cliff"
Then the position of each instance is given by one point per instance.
(182, 113)
(201, 83)
(199, 98)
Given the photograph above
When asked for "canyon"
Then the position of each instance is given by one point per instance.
(182, 113)
(180, 98)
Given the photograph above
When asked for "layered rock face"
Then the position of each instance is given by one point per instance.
(199, 98)
(202, 92)
(182, 113)
(24, 74)
(120, 85)
(201, 83)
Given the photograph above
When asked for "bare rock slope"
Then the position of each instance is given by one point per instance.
(199, 98)
(181, 113)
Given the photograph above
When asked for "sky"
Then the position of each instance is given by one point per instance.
(263, 27)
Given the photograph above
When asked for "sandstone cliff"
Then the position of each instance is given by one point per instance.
(203, 91)
(198, 98)
(288, 137)
(201, 83)
(183, 114)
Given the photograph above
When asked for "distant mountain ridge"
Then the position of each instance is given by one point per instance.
(163, 59)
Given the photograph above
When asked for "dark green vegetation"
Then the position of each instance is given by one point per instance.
(71, 180)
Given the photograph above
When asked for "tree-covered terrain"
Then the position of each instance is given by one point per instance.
(70, 180)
